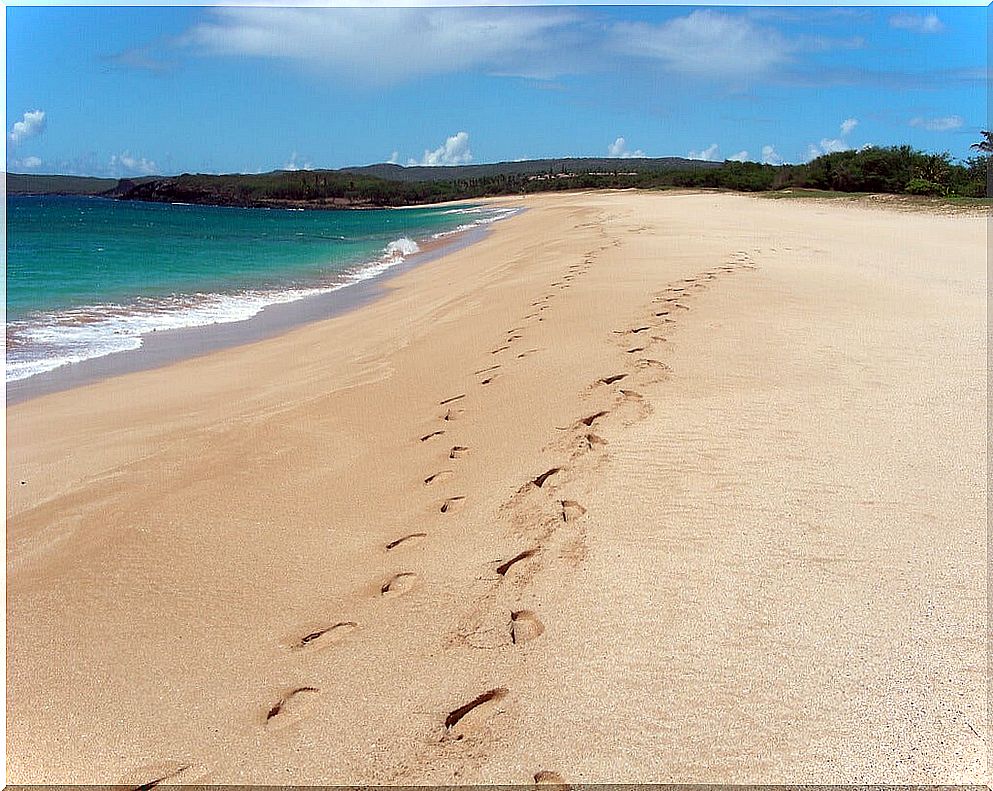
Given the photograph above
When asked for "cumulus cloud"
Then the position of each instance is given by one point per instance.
(830, 145)
(741, 156)
(394, 158)
(770, 156)
(945, 124)
(619, 149)
(920, 23)
(387, 44)
(127, 165)
(707, 43)
(26, 163)
(709, 154)
(454, 151)
(297, 162)
(31, 125)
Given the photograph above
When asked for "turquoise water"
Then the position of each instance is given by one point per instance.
(89, 276)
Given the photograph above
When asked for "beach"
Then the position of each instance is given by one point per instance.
(640, 487)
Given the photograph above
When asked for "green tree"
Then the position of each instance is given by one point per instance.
(986, 144)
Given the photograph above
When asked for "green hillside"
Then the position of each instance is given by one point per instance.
(31, 184)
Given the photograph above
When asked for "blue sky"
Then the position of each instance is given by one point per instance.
(122, 91)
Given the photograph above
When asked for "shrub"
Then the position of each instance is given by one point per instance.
(923, 187)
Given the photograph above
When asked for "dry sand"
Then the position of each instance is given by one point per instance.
(642, 487)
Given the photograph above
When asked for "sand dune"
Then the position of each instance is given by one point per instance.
(642, 487)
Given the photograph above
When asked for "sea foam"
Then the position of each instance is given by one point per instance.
(49, 340)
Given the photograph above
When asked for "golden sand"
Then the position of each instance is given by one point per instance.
(641, 487)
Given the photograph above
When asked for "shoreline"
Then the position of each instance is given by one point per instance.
(170, 346)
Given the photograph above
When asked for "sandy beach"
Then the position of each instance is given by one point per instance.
(642, 487)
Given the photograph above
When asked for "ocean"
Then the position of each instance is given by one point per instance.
(88, 277)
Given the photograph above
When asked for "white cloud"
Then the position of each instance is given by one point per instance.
(27, 163)
(945, 124)
(709, 154)
(127, 165)
(619, 149)
(707, 43)
(394, 158)
(831, 145)
(770, 156)
(297, 162)
(741, 156)
(454, 151)
(920, 23)
(392, 44)
(31, 125)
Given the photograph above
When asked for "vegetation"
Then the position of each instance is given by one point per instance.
(895, 170)
(25, 184)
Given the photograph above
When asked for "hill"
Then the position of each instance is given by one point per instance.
(531, 167)
(31, 184)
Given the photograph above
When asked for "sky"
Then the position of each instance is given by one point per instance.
(128, 91)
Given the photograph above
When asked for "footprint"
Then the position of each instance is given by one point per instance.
(525, 354)
(426, 437)
(504, 567)
(397, 542)
(162, 771)
(632, 395)
(486, 370)
(458, 451)
(438, 476)
(513, 338)
(501, 349)
(635, 349)
(651, 362)
(524, 626)
(609, 380)
(398, 584)
(540, 480)
(449, 504)
(453, 414)
(591, 419)
(594, 441)
(571, 510)
(662, 313)
(292, 702)
(325, 636)
(449, 400)
(489, 379)
(546, 778)
(490, 696)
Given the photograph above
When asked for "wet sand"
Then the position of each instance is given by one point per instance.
(641, 487)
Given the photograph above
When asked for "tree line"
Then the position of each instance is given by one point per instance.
(893, 169)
